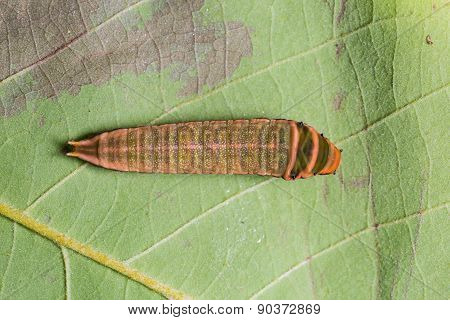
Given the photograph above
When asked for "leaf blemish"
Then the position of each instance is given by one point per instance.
(326, 191)
(337, 101)
(341, 11)
(340, 47)
(358, 182)
(176, 37)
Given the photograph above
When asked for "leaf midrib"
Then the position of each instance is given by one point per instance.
(122, 268)
(89, 252)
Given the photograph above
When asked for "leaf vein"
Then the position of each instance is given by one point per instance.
(197, 218)
(89, 252)
(339, 243)
(393, 114)
(69, 43)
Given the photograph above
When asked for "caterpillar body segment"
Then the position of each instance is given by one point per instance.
(279, 148)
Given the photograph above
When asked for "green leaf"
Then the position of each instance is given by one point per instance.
(372, 75)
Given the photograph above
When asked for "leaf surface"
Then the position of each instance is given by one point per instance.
(372, 75)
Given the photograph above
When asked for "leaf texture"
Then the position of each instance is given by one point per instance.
(373, 75)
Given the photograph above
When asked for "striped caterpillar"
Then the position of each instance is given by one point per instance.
(279, 148)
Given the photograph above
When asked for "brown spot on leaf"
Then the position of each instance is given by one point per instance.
(428, 40)
(30, 31)
(358, 182)
(59, 50)
(326, 191)
(340, 47)
(341, 13)
(337, 101)
(341, 177)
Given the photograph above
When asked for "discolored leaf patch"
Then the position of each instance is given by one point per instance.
(338, 100)
(340, 47)
(46, 56)
(341, 12)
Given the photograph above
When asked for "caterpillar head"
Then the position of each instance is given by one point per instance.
(313, 154)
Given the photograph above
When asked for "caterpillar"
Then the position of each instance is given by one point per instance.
(268, 147)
